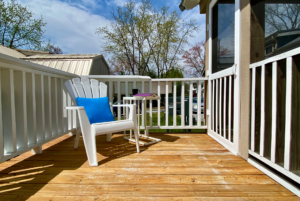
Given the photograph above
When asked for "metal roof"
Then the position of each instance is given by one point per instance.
(10, 52)
(63, 56)
(80, 64)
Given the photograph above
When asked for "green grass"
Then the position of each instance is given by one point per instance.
(163, 122)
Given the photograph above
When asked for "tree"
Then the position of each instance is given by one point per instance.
(195, 60)
(18, 28)
(146, 38)
(55, 50)
(282, 17)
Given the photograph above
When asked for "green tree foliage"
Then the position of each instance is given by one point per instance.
(146, 39)
(18, 28)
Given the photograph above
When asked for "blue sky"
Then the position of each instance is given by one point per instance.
(71, 24)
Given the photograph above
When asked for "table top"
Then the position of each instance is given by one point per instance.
(142, 98)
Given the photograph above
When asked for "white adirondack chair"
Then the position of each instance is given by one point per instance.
(87, 88)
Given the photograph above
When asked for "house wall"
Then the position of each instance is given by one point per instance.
(245, 78)
(99, 67)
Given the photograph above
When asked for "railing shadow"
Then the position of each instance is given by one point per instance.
(27, 177)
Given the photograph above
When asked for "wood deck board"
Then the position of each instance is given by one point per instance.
(181, 167)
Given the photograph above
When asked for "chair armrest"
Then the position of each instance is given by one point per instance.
(132, 111)
(75, 108)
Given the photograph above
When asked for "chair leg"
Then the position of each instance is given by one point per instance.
(77, 138)
(108, 137)
(137, 141)
(91, 151)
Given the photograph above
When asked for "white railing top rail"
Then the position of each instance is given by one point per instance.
(178, 79)
(27, 66)
(276, 58)
(119, 77)
(223, 73)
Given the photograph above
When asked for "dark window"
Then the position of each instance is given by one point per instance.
(275, 27)
(269, 50)
(223, 35)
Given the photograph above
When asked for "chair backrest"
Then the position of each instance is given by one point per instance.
(86, 88)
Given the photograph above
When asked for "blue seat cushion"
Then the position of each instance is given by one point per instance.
(97, 109)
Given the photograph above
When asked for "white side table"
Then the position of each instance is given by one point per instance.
(146, 136)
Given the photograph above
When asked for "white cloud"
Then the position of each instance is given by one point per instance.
(188, 15)
(69, 27)
(120, 2)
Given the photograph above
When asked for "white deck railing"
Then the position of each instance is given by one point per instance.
(273, 121)
(33, 98)
(121, 86)
(32, 105)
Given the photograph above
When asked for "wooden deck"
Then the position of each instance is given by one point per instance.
(182, 166)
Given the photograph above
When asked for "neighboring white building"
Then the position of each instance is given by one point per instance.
(80, 64)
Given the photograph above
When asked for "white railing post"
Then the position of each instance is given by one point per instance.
(150, 104)
(56, 108)
(274, 111)
(110, 95)
(288, 114)
(1, 125)
(217, 111)
(174, 104)
(34, 110)
(262, 111)
(229, 108)
(167, 104)
(119, 99)
(220, 108)
(224, 109)
(158, 104)
(43, 134)
(253, 110)
(191, 104)
(50, 107)
(127, 94)
(144, 113)
(213, 109)
(182, 105)
(199, 101)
